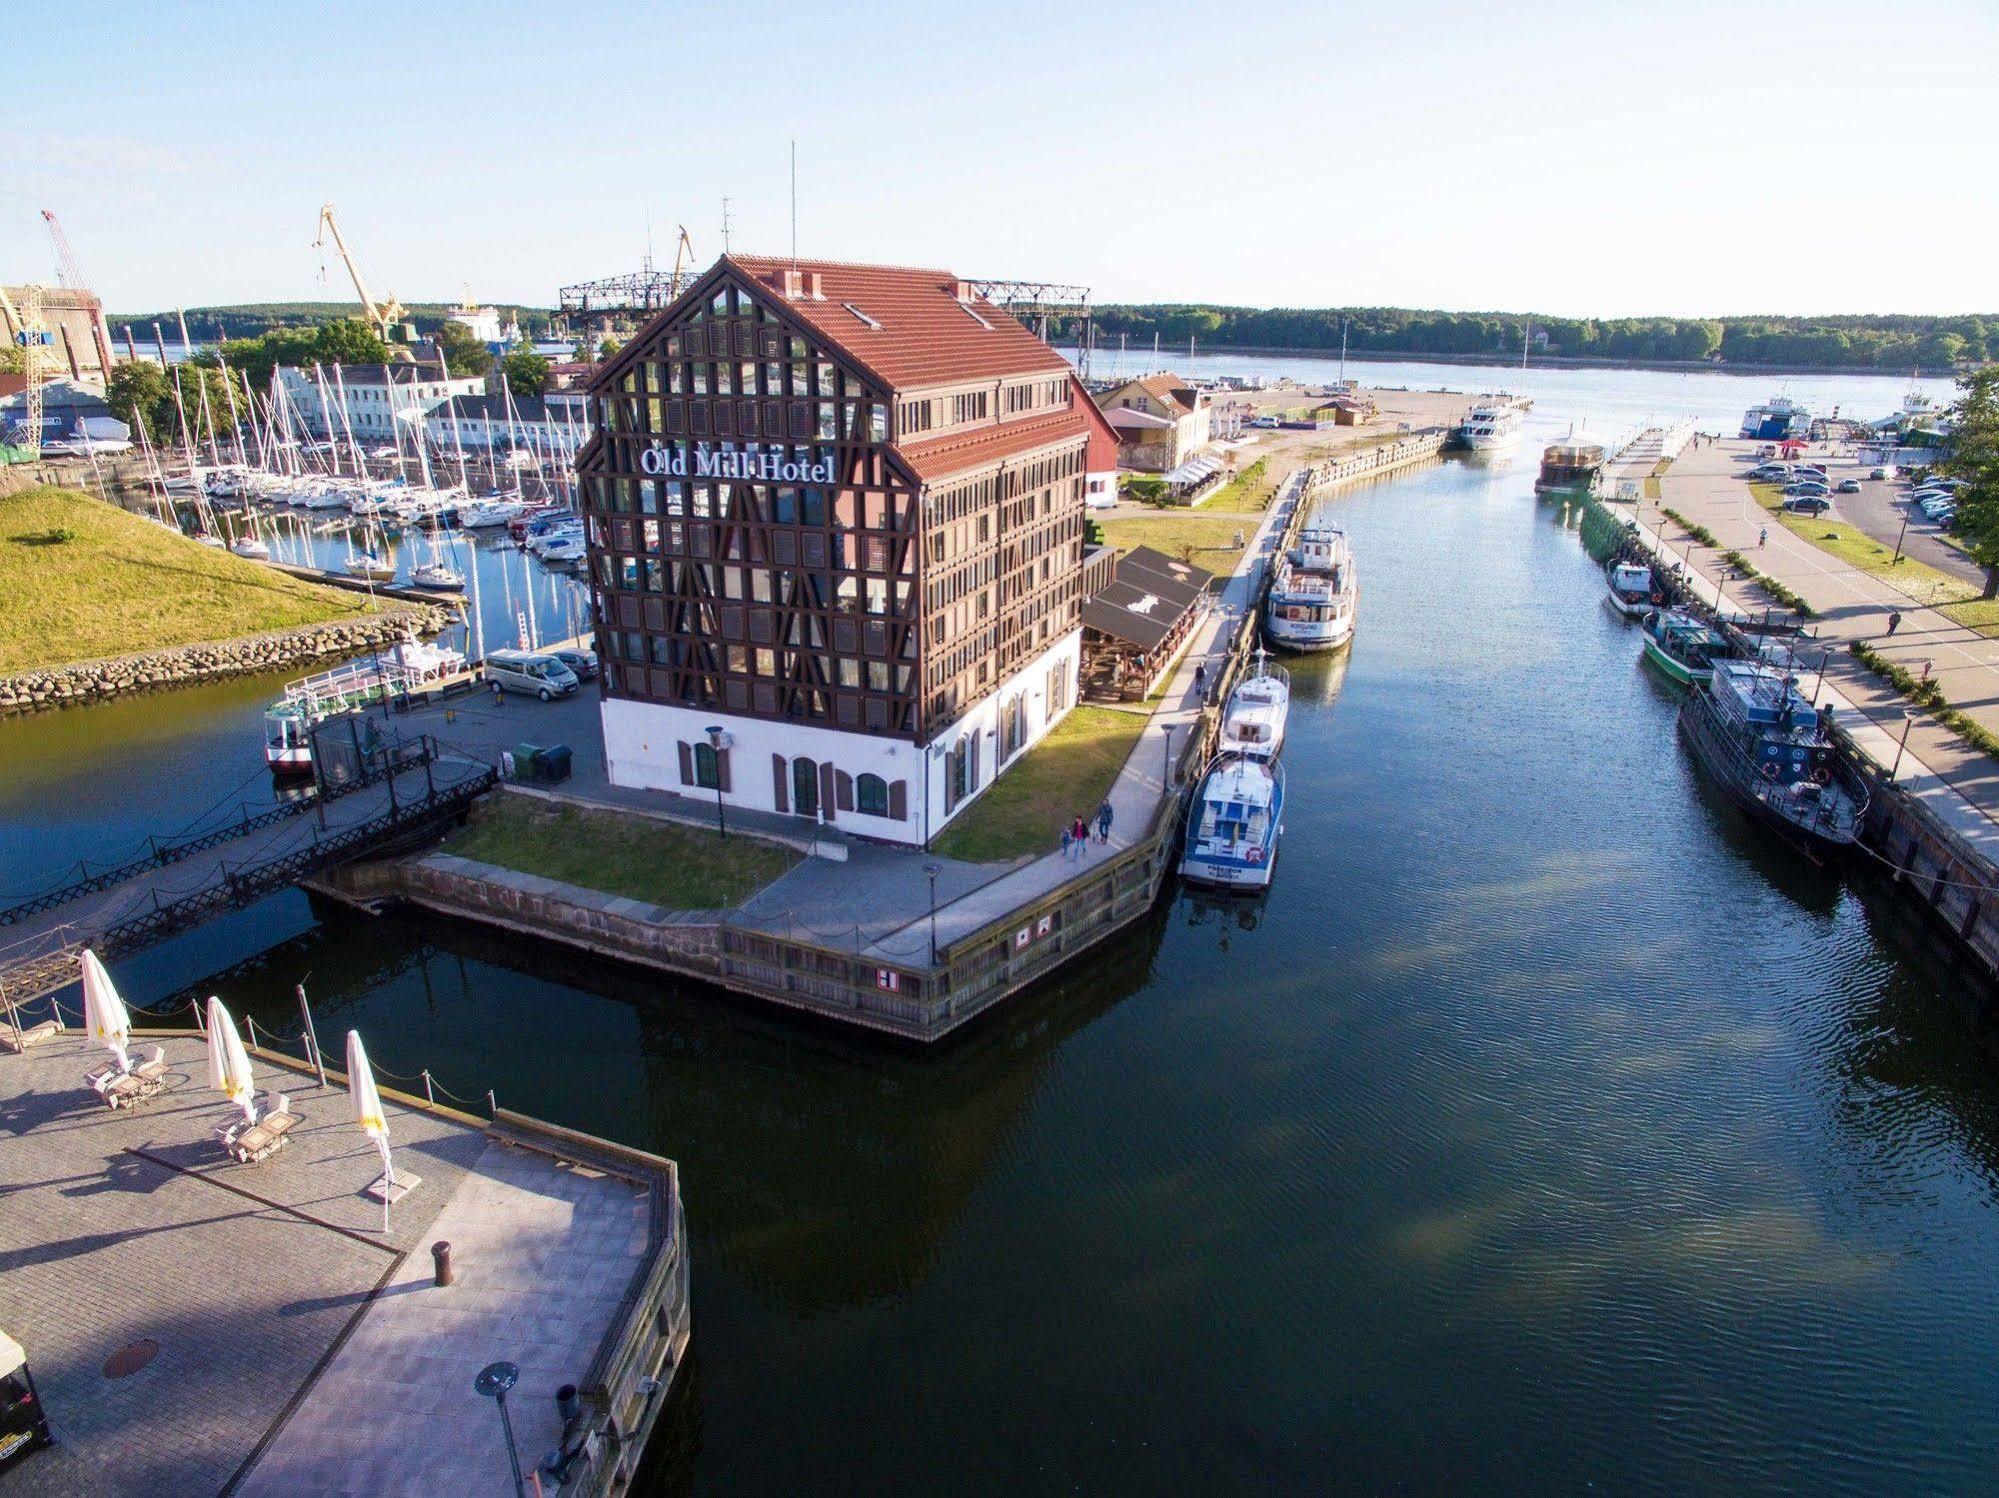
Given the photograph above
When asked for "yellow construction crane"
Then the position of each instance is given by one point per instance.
(683, 256)
(385, 317)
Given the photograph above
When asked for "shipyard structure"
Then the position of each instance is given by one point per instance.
(836, 542)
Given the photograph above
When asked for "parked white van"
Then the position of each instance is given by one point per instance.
(524, 671)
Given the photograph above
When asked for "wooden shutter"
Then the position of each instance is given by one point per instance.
(779, 789)
(827, 801)
(722, 768)
(898, 800)
(687, 764)
(843, 790)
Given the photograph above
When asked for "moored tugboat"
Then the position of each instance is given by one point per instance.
(1683, 646)
(1773, 753)
(1568, 467)
(1633, 591)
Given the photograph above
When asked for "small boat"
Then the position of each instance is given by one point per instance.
(1632, 589)
(1683, 646)
(1253, 721)
(208, 538)
(1772, 752)
(399, 672)
(250, 546)
(564, 551)
(1493, 422)
(485, 512)
(1314, 593)
(437, 575)
(367, 565)
(1235, 823)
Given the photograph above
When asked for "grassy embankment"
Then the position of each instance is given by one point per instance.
(1952, 597)
(82, 580)
(1204, 535)
(1065, 776)
(682, 868)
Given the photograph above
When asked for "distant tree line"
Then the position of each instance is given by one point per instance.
(207, 324)
(1857, 342)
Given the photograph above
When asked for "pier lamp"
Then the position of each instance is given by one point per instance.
(493, 1381)
(1166, 765)
(715, 736)
(1908, 721)
(931, 871)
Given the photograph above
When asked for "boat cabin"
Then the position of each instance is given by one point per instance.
(1791, 738)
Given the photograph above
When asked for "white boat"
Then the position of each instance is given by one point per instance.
(569, 549)
(1632, 589)
(1253, 721)
(485, 512)
(1776, 419)
(365, 564)
(436, 575)
(247, 545)
(560, 536)
(1314, 593)
(1494, 421)
(1235, 822)
(409, 667)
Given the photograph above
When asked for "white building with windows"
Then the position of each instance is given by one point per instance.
(554, 425)
(376, 398)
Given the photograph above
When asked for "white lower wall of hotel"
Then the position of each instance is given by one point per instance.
(642, 749)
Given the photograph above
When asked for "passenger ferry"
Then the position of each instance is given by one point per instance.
(1235, 823)
(1568, 466)
(1632, 589)
(1494, 422)
(1253, 721)
(410, 667)
(1315, 592)
(1773, 753)
(1682, 646)
(1776, 419)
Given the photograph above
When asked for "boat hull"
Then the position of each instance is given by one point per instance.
(1815, 845)
(1291, 636)
(1679, 670)
(1226, 874)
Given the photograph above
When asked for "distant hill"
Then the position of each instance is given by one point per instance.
(248, 319)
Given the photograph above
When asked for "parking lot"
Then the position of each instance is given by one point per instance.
(1880, 508)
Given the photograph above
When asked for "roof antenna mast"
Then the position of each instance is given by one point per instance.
(725, 226)
(794, 202)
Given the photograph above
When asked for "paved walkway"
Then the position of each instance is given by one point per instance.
(132, 1225)
(1958, 782)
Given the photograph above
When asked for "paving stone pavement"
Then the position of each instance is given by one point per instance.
(128, 1225)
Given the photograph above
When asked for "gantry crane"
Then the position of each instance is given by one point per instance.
(385, 317)
(70, 276)
(32, 338)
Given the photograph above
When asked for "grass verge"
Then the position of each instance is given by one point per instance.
(1929, 695)
(1065, 776)
(84, 580)
(619, 853)
(1248, 493)
(1204, 540)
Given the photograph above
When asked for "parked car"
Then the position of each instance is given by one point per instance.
(1263, 421)
(581, 660)
(1807, 488)
(525, 671)
(1849, 486)
(1808, 504)
(1940, 513)
(1882, 473)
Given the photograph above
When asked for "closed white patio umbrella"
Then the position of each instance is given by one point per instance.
(104, 1013)
(228, 1063)
(368, 1113)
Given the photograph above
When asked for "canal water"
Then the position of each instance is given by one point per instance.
(1543, 1127)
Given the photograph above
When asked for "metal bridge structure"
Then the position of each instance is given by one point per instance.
(377, 797)
(1039, 304)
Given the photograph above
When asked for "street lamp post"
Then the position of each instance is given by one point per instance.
(1166, 764)
(1898, 538)
(493, 1381)
(931, 871)
(1908, 720)
(714, 733)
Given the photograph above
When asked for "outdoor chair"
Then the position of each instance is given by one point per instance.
(248, 1144)
(125, 1089)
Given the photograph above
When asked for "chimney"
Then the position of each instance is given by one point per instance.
(812, 287)
(964, 292)
(790, 282)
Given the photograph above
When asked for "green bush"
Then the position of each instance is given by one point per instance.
(1927, 694)
(1145, 489)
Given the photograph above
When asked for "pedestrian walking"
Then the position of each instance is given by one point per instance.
(1104, 815)
(1065, 843)
(1926, 670)
(1200, 676)
(499, 695)
(1894, 621)
(1080, 831)
(1762, 537)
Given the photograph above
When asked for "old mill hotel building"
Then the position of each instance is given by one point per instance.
(835, 519)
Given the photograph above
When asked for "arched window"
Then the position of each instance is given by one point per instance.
(871, 792)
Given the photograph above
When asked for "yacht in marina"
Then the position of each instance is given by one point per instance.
(1493, 422)
(1234, 824)
(1253, 720)
(1314, 593)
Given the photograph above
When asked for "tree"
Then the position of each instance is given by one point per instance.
(464, 354)
(1973, 455)
(136, 390)
(525, 372)
(608, 349)
(13, 358)
(349, 340)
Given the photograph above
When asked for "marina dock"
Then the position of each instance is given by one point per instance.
(202, 1326)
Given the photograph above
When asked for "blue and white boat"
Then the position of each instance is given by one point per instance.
(1237, 817)
(1314, 592)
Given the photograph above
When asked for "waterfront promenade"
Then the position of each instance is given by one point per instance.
(295, 1346)
(1957, 781)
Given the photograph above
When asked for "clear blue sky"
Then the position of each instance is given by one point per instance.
(1566, 158)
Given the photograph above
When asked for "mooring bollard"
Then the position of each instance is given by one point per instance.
(440, 1253)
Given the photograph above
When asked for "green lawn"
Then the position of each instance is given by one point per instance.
(1248, 493)
(1065, 776)
(682, 868)
(1211, 538)
(83, 580)
(1951, 596)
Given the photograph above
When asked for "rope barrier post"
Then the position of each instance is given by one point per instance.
(492, 1103)
(200, 1021)
(428, 1096)
(311, 1036)
(251, 1019)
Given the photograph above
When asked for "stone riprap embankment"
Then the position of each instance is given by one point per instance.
(89, 681)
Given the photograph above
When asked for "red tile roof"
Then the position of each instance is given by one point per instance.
(927, 336)
(941, 457)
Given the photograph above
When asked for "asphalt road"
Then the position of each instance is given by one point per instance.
(1876, 511)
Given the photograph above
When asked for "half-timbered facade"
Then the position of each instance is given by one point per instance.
(835, 517)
